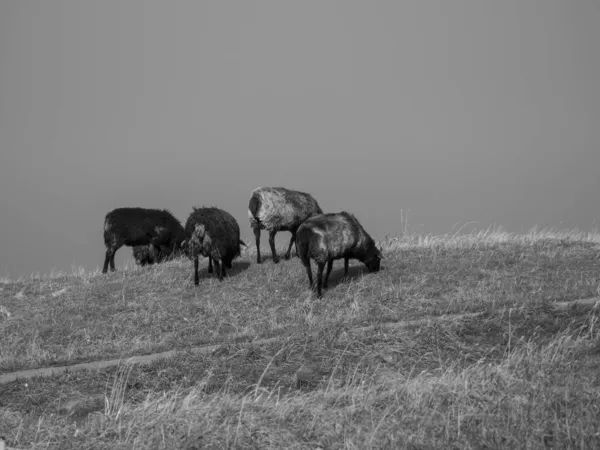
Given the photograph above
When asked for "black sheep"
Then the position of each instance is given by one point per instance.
(133, 227)
(213, 233)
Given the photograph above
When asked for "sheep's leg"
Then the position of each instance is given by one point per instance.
(210, 264)
(329, 267)
(196, 277)
(108, 257)
(112, 242)
(272, 234)
(162, 253)
(219, 270)
(346, 266)
(257, 238)
(306, 263)
(320, 268)
(289, 250)
(153, 253)
(223, 271)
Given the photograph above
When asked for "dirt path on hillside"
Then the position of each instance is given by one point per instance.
(144, 359)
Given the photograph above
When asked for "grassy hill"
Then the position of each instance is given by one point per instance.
(454, 344)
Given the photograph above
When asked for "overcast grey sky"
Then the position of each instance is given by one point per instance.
(462, 110)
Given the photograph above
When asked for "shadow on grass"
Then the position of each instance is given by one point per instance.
(238, 267)
(268, 257)
(337, 275)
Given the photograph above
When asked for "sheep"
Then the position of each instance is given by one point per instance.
(279, 209)
(332, 236)
(213, 233)
(133, 227)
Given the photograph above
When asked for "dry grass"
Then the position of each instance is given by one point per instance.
(525, 377)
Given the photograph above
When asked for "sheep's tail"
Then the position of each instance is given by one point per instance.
(107, 231)
(303, 243)
(253, 208)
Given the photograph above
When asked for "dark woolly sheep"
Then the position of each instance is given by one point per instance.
(332, 236)
(279, 209)
(135, 227)
(213, 233)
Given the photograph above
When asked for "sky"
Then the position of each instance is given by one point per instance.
(469, 111)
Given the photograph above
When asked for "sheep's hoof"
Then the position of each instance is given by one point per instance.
(258, 261)
(287, 257)
(275, 260)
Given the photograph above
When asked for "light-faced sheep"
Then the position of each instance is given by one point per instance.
(332, 236)
(134, 227)
(279, 209)
(213, 233)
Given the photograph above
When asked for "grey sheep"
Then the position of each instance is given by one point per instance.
(213, 233)
(134, 227)
(279, 209)
(332, 236)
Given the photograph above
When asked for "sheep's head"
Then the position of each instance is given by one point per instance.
(373, 260)
(144, 254)
(193, 246)
(183, 247)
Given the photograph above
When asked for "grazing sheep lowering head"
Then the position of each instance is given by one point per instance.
(213, 233)
(155, 229)
(327, 237)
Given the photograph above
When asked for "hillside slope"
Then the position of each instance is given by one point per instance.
(518, 373)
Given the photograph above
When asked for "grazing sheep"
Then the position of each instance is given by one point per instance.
(154, 228)
(279, 209)
(332, 236)
(213, 233)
